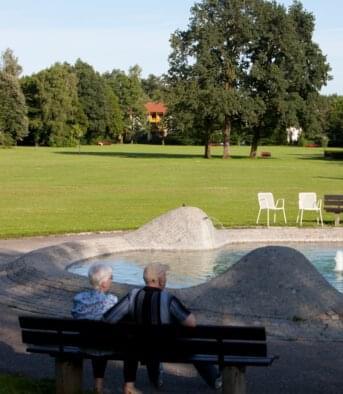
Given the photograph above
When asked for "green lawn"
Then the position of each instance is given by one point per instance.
(50, 190)
(13, 384)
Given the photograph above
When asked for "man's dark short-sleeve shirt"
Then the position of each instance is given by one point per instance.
(149, 305)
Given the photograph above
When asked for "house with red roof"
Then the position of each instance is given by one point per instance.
(156, 112)
(155, 115)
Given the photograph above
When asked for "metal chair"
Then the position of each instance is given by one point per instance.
(309, 202)
(266, 201)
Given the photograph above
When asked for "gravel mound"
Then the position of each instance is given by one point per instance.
(276, 286)
(184, 228)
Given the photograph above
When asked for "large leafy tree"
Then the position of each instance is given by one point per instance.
(334, 120)
(31, 87)
(114, 115)
(154, 88)
(99, 104)
(56, 116)
(286, 72)
(13, 111)
(128, 88)
(209, 57)
(250, 62)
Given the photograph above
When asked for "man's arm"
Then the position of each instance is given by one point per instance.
(181, 314)
(118, 311)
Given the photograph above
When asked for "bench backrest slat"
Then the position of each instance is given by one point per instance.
(333, 199)
(97, 328)
(166, 343)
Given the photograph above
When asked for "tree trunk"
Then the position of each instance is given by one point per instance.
(226, 137)
(254, 144)
(207, 150)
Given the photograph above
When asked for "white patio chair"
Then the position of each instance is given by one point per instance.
(309, 202)
(266, 201)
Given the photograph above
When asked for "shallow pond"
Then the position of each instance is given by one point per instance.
(195, 267)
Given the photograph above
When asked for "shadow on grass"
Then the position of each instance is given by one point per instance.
(333, 178)
(147, 155)
(315, 157)
(308, 157)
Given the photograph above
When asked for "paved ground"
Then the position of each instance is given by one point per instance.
(303, 367)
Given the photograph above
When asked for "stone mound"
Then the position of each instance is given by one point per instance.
(184, 228)
(271, 282)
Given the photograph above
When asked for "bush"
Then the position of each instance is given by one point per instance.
(179, 139)
(333, 154)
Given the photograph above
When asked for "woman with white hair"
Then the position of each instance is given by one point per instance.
(91, 305)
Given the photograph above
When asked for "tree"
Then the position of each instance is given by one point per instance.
(114, 116)
(99, 104)
(334, 121)
(56, 116)
(154, 88)
(31, 88)
(209, 55)
(92, 96)
(128, 89)
(10, 63)
(250, 62)
(13, 111)
(286, 70)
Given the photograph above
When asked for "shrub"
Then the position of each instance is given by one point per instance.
(333, 154)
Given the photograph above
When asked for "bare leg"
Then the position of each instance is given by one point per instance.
(129, 388)
(130, 370)
(98, 385)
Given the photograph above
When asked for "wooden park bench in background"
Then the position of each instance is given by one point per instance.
(232, 348)
(102, 143)
(312, 146)
(265, 154)
(334, 203)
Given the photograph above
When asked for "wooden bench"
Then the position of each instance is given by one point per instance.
(102, 143)
(334, 203)
(232, 348)
(265, 154)
(312, 146)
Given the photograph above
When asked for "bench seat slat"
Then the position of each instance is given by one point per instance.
(205, 358)
(334, 209)
(145, 344)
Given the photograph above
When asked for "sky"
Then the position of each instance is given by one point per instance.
(117, 34)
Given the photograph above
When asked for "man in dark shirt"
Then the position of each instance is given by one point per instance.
(153, 305)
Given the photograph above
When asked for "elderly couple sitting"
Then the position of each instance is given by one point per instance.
(151, 304)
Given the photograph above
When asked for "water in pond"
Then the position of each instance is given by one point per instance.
(192, 268)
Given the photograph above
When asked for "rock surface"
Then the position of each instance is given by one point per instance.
(184, 228)
(275, 286)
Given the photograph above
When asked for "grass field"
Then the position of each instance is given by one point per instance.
(15, 384)
(12, 384)
(51, 191)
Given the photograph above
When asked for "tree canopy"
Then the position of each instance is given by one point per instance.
(131, 97)
(56, 116)
(13, 111)
(250, 62)
(243, 71)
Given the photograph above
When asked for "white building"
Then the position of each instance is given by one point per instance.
(293, 134)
